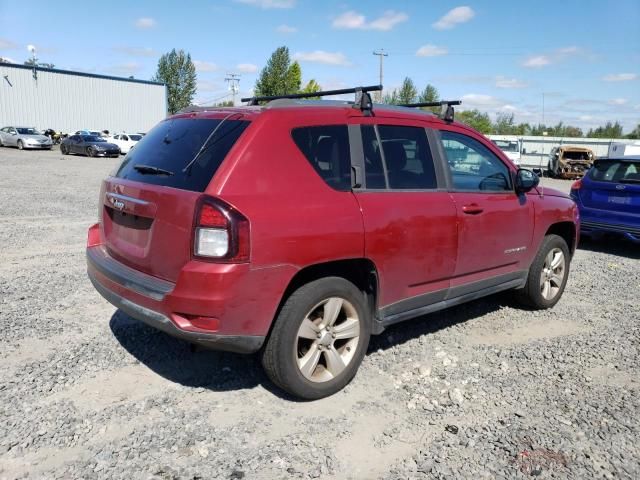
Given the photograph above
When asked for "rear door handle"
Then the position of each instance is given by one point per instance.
(472, 209)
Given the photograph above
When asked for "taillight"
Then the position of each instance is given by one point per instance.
(577, 185)
(221, 233)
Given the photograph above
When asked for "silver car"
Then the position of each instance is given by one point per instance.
(23, 137)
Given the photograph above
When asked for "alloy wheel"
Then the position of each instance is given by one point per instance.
(327, 339)
(553, 273)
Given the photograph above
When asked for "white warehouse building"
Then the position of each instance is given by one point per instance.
(68, 101)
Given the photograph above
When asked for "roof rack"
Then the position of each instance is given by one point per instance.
(447, 112)
(362, 101)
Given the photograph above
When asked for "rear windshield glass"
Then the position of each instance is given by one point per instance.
(162, 156)
(615, 171)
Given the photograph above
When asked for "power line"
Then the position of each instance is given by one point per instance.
(381, 53)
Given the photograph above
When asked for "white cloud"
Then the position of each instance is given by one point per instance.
(558, 55)
(247, 68)
(502, 82)
(286, 29)
(454, 17)
(320, 56)
(7, 60)
(431, 51)
(7, 44)
(353, 20)
(207, 86)
(145, 22)
(127, 68)
(476, 100)
(620, 77)
(202, 66)
(137, 51)
(586, 118)
(537, 61)
(268, 4)
(618, 101)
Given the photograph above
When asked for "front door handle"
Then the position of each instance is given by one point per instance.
(472, 209)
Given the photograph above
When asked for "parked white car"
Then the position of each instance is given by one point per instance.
(125, 141)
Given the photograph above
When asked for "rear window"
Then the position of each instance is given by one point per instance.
(161, 157)
(615, 171)
(327, 150)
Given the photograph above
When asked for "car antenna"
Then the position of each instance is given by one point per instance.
(362, 101)
(447, 112)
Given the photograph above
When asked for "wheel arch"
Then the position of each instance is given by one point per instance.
(362, 272)
(566, 230)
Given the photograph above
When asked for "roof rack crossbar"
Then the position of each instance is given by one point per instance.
(432, 104)
(364, 102)
(447, 112)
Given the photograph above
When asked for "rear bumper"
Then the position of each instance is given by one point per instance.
(630, 231)
(144, 298)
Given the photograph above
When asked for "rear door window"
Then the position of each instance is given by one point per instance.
(407, 157)
(162, 156)
(327, 150)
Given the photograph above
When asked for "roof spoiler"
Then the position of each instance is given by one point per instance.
(362, 101)
(447, 113)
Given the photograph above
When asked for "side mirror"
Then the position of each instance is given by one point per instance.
(14, 133)
(524, 151)
(526, 180)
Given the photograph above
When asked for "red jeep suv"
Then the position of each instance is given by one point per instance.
(298, 228)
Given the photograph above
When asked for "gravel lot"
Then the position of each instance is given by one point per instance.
(485, 390)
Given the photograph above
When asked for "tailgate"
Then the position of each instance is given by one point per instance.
(148, 227)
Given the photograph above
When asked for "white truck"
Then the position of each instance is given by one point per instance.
(619, 149)
(510, 145)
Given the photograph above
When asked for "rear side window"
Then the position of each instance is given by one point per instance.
(327, 150)
(162, 156)
(614, 171)
(407, 157)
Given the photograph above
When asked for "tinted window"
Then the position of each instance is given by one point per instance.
(327, 150)
(615, 171)
(374, 170)
(473, 166)
(407, 157)
(173, 144)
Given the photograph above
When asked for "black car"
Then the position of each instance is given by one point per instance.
(90, 145)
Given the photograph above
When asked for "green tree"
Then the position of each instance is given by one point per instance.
(391, 98)
(429, 94)
(34, 63)
(476, 119)
(408, 91)
(504, 124)
(226, 103)
(178, 73)
(610, 130)
(311, 87)
(635, 133)
(279, 76)
(294, 78)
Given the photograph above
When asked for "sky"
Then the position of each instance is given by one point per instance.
(572, 61)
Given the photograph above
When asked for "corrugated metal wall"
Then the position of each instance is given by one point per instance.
(68, 102)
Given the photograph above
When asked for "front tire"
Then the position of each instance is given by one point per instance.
(90, 152)
(548, 274)
(20, 145)
(319, 339)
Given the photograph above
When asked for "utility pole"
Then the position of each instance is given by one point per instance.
(233, 79)
(381, 53)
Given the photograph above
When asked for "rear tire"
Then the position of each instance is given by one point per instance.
(319, 339)
(547, 276)
(64, 150)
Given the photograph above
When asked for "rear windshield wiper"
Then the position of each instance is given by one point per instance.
(151, 170)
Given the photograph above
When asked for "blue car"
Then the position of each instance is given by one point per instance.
(608, 198)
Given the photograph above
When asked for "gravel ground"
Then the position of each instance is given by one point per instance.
(485, 390)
